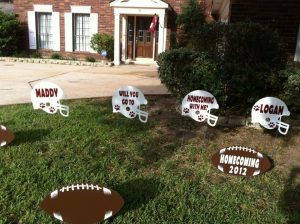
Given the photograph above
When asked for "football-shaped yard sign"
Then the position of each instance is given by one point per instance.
(197, 105)
(127, 101)
(241, 161)
(6, 136)
(82, 204)
(268, 112)
(46, 96)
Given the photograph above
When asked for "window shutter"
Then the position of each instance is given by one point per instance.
(68, 32)
(93, 26)
(55, 31)
(297, 53)
(31, 29)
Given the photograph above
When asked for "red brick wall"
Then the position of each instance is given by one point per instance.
(106, 17)
(283, 15)
(105, 12)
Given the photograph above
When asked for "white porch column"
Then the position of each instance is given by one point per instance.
(161, 38)
(124, 37)
(117, 39)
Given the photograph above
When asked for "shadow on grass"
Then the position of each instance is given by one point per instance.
(138, 192)
(290, 198)
(30, 136)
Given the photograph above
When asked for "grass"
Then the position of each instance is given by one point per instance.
(161, 168)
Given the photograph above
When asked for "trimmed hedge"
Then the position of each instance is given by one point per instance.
(183, 70)
(9, 34)
(239, 63)
(291, 88)
(103, 41)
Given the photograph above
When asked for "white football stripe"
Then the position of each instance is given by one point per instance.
(106, 191)
(3, 143)
(220, 168)
(54, 194)
(256, 172)
(3, 128)
(259, 155)
(108, 214)
(58, 216)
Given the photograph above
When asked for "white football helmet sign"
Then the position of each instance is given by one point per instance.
(46, 96)
(268, 112)
(127, 101)
(197, 105)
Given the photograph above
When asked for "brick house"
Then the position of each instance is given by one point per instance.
(66, 26)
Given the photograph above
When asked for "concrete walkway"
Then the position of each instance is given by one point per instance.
(17, 79)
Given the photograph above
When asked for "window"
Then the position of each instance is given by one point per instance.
(44, 30)
(81, 32)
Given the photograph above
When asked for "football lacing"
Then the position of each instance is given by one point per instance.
(247, 149)
(81, 186)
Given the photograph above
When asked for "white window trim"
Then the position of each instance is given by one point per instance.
(43, 8)
(80, 9)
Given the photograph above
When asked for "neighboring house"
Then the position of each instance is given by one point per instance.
(67, 26)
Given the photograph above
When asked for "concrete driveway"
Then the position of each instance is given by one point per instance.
(17, 79)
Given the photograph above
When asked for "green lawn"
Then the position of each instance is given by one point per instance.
(162, 168)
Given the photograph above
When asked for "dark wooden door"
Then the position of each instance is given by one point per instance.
(130, 37)
(144, 38)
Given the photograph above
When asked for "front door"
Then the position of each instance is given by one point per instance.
(144, 38)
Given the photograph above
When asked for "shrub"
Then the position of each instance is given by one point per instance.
(244, 60)
(9, 34)
(90, 59)
(57, 56)
(291, 88)
(36, 55)
(103, 41)
(183, 70)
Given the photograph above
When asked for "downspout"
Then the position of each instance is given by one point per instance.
(206, 6)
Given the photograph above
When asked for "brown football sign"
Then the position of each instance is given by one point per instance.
(6, 136)
(82, 204)
(241, 161)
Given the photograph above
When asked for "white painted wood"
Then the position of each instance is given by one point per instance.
(93, 27)
(68, 32)
(32, 29)
(124, 38)
(297, 53)
(138, 11)
(56, 31)
(158, 4)
(161, 35)
(43, 8)
(117, 40)
(80, 9)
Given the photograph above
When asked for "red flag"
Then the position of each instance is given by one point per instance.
(153, 24)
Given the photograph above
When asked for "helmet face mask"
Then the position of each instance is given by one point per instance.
(46, 96)
(268, 112)
(127, 100)
(198, 105)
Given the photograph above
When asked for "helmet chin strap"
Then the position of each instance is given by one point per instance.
(143, 116)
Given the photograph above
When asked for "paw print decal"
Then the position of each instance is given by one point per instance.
(131, 114)
(272, 124)
(51, 109)
(117, 107)
(256, 108)
(42, 105)
(186, 110)
(201, 118)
